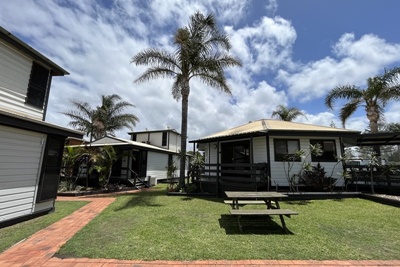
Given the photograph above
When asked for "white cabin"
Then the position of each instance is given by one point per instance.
(250, 156)
(147, 157)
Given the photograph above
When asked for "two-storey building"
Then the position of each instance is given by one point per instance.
(147, 154)
(30, 148)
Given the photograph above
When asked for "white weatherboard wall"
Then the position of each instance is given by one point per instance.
(174, 142)
(278, 176)
(15, 70)
(20, 162)
(260, 150)
(156, 164)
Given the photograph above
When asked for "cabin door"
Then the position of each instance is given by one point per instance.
(235, 152)
(139, 163)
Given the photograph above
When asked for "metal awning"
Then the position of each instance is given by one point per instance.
(378, 139)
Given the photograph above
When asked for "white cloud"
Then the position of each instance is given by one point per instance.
(356, 61)
(265, 46)
(271, 7)
(96, 43)
(392, 115)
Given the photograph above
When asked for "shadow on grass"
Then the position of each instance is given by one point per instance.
(141, 199)
(252, 225)
(297, 202)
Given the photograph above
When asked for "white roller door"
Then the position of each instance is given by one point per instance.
(20, 162)
(156, 164)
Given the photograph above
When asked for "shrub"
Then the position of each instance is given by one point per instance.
(317, 179)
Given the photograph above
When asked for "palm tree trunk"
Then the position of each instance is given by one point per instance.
(185, 107)
(373, 117)
(374, 129)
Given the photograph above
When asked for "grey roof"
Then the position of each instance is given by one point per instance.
(154, 131)
(26, 49)
(271, 126)
(115, 141)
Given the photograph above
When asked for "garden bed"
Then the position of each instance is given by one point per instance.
(93, 192)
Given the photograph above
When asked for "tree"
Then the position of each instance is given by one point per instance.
(391, 152)
(102, 120)
(380, 90)
(392, 127)
(201, 51)
(103, 161)
(287, 114)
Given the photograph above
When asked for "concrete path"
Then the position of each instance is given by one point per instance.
(39, 249)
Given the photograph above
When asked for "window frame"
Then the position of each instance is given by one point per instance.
(281, 157)
(325, 157)
(164, 139)
(38, 85)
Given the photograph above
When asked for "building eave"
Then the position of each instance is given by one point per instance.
(13, 120)
(28, 50)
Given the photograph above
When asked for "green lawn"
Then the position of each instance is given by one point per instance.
(151, 226)
(15, 233)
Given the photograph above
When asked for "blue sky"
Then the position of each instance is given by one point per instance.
(293, 53)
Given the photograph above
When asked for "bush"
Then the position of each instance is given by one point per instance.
(317, 179)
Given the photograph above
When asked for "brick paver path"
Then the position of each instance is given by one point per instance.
(39, 249)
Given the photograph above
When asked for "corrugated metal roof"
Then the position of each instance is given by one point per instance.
(115, 141)
(265, 125)
(154, 131)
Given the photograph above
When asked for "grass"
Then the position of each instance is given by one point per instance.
(153, 226)
(18, 232)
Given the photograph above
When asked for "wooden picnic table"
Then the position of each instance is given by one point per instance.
(270, 199)
(266, 196)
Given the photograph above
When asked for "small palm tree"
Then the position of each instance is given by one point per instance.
(380, 90)
(103, 161)
(110, 115)
(82, 117)
(199, 53)
(287, 114)
(102, 120)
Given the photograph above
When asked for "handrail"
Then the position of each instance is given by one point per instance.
(136, 178)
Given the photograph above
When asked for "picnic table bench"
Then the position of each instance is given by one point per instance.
(280, 212)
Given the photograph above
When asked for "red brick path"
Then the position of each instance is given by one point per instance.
(38, 250)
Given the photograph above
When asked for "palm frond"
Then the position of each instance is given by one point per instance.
(176, 88)
(287, 114)
(342, 92)
(155, 57)
(216, 81)
(156, 72)
(391, 77)
(348, 109)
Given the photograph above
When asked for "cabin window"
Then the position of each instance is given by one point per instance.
(164, 139)
(37, 87)
(285, 149)
(133, 137)
(329, 151)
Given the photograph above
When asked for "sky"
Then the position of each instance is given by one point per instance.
(293, 52)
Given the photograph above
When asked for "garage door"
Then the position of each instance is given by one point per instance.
(20, 157)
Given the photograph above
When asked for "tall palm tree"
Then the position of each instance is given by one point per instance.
(380, 90)
(287, 114)
(104, 119)
(200, 52)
